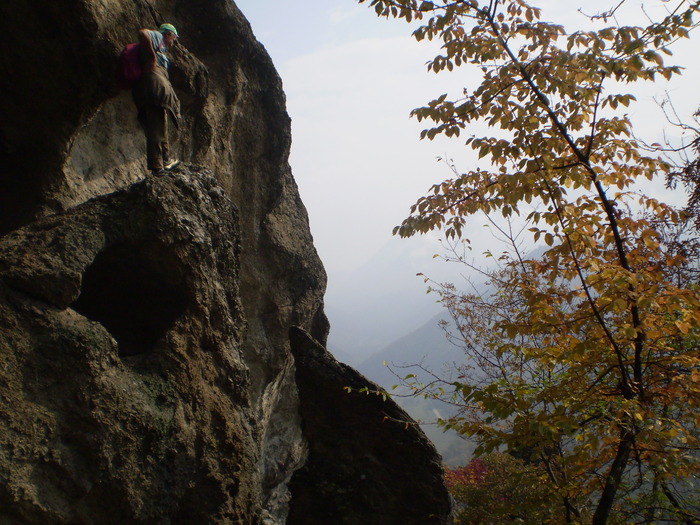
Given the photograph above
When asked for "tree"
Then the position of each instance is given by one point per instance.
(514, 492)
(586, 355)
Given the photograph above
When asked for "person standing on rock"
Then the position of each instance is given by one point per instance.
(154, 96)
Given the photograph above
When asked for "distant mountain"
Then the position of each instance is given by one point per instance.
(426, 346)
(429, 347)
(384, 299)
(378, 314)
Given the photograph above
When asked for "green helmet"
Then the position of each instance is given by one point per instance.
(168, 27)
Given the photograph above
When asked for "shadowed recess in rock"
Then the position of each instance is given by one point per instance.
(135, 292)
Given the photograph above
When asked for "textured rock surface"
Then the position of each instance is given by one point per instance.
(147, 370)
(365, 464)
(66, 135)
(125, 398)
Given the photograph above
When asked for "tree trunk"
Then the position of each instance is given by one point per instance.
(612, 483)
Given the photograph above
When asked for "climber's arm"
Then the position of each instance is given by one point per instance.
(147, 46)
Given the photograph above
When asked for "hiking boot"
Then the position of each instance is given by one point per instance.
(171, 164)
(159, 171)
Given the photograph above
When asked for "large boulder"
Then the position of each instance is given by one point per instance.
(368, 462)
(147, 370)
(125, 397)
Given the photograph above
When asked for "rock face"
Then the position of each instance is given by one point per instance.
(147, 371)
(125, 392)
(362, 477)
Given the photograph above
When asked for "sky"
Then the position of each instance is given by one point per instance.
(351, 80)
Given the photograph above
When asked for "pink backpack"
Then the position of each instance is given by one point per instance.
(128, 67)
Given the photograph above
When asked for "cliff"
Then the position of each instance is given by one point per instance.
(148, 374)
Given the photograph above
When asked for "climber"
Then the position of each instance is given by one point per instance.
(154, 96)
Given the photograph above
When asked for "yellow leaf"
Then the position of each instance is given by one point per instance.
(683, 326)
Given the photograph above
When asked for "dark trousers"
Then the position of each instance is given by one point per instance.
(154, 121)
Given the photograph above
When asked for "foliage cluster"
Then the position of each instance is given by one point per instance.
(499, 488)
(583, 354)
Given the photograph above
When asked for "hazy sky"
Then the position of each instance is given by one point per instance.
(351, 80)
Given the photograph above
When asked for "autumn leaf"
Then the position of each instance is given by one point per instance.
(583, 358)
